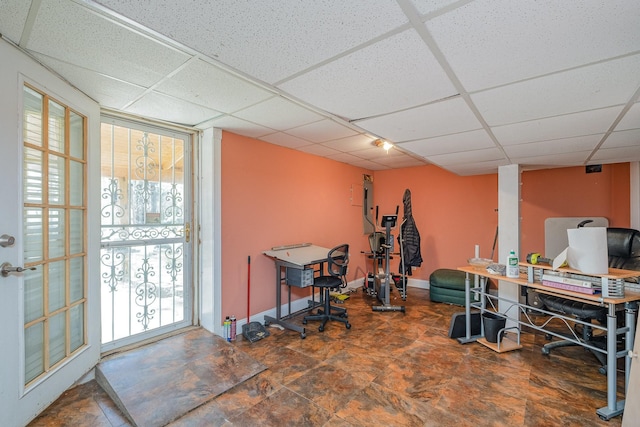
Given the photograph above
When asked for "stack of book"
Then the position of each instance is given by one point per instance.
(571, 284)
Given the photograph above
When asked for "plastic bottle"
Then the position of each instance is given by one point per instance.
(227, 328)
(232, 333)
(513, 270)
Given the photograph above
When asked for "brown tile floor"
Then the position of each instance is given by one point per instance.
(389, 369)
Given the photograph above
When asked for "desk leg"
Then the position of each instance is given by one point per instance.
(467, 312)
(630, 313)
(278, 319)
(614, 407)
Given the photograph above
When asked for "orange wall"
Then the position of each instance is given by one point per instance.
(274, 196)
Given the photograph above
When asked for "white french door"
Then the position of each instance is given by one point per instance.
(48, 312)
(145, 231)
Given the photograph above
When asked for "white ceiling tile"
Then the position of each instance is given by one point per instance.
(279, 114)
(285, 140)
(600, 85)
(236, 125)
(268, 40)
(403, 161)
(492, 42)
(626, 138)
(324, 130)
(429, 6)
(558, 146)
(396, 73)
(487, 154)
(476, 168)
(473, 140)
(169, 109)
(578, 124)
(206, 84)
(631, 120)
(91, 41)
(13, 15)
(319, 150)
(576, 158)
(107, 91)
(366, 164)
(344, 157)
(617, 155)
(351, 143)
(440, 118)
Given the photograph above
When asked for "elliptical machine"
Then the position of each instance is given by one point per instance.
(382, 277)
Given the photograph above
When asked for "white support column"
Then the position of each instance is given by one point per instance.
(635, 195)
(508, 230)
(210, 219)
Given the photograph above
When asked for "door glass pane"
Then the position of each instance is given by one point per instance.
(32, 176)
(33, 295)
(56, 285)
(56, 180)
(34, 351)
(57, 338)
(76, 279)
(77, 326)
(33, 241)
(76, 183)
(76, 135)
(76, 231)
(56, 126)
(57, 233)
(32, 118)
(53, 234)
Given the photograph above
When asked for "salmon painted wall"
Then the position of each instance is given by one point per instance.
(455, 213)
(274, 196)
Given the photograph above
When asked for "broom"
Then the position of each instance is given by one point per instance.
(252, 331)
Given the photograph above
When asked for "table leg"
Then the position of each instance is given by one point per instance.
(467, 312)
(614, 407)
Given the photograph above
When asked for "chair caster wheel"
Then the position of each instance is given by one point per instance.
(602, 370)
(547, 337)
(303, 335)
(348, 325)
(321, 328)
(545, 351)
(304, 322)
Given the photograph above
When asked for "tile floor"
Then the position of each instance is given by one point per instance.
(389, 369)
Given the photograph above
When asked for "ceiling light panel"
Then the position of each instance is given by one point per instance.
(440, 118)
(600, 85)
(242, 34)
(578, 124)
(396, 73)
(215, 87)
(99, 44)
(493, 42)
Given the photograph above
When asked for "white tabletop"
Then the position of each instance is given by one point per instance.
(301, 256)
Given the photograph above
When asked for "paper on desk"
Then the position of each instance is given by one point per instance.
(560, 260)
(587, 250)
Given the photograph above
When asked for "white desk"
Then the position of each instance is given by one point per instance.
(629, 301)
(303, 259)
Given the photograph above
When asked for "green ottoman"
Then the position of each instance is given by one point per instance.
(447, 285)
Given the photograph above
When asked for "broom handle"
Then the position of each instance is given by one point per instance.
(248, 287)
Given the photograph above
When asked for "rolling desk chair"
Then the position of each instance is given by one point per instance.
(337, 260)
(623, 245)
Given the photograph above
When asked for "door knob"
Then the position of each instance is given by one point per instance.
(6, 240)
(632, 355)
(7, 268)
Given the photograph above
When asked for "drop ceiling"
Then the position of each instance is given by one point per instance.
(465, 85)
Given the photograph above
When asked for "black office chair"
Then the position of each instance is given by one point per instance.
(337, 260)
(623, 246)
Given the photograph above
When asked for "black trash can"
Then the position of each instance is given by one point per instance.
(492, 324)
